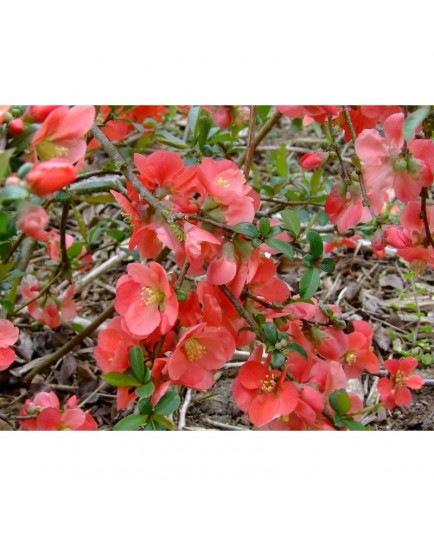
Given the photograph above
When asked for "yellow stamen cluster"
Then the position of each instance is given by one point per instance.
(222, 182)
(152, 296)
(194, 349)
(48, 150)
(350, 358)
(268, 384)
(399, 379)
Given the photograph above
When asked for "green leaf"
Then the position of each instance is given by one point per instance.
(281, 247)
(137, 362)
(340, 401)
(163, 421)
(117, 234)
(270, 332)
(193, 116)
(309, 283)
(247, 229)
(204, 124)
(315, 243)
(322, 218)
(168, 403)
(5, 157)
(172, 141)
(294, 347)
(307, 260)
(328, 265)
(7, 227)
(132, 422)
(264, 226)
(292, 221)
(13, 193)
(145, 391)
(414, 120)
(277, 360)
(119, 379)
(144, 406)
(354, 425)
(74, 251)
(315, 180)
(281, 163)
(275, 230)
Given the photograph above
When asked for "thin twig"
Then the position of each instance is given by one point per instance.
(71, 344)
(424, 217)
(183, 410)
(262, 132)
(337, 149)
(251, 142)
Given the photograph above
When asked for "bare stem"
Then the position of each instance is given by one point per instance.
(424, 217)
(71, 344)
(262, 132)
(251, 142)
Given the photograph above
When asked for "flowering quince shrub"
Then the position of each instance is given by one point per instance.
(204, 232)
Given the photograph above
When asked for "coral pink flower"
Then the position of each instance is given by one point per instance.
(16, 126)
(329, 376)
(345, 206)
(61, 132)
(200, 247)
(223, 269)
(38, 114)
(262, 283)
(385, 166)
(395, 391)
(145, 300)
(229, 198)
(358, 355)
(317, 113)
(350, 243)
(200, 351)
(8, 336)
(49, 417)
(329, 342)
(48, 177)
(261, 393)
(363, 117)
(33, 222)
(313, 160)
(111, 352)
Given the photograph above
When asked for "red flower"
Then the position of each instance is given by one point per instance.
(145, 300)
(313, 160)
(200, 351)
(51, 176)
(61, 132)
(111, 352)
(395, 391)
(33, 222)
(261, 393)
(8, 336)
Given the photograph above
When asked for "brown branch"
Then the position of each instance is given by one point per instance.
(240, 309)
(64, 264)
(424, 217)
(366, 201)
(262, 132)
(117, 158)
(337, 150)
(250, 143)
(71, 344)
(14, 247)
(291, 203)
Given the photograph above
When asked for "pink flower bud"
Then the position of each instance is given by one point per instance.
(397, 237)
(312, 160)
(51, 176)
(16, 126)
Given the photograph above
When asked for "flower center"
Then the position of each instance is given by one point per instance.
(194, 349)
(47, 150)
(349, 358)
(268, 384)
(399, 379)
(152, 296)
(222, 182)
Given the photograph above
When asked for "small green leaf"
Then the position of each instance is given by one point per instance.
(74, 251)
(172, 141)
(119, 379)
(204, 124)
(294, 347)
(270, 332)
(340, 401)
(144, 406)
(247, 229)
(315, 243)
(309, 283)
(281, 247)
(264, 226)
(277, 360)
(13, 193)
(355, 426)
(328, 265)
(132, 422)
(307, 260)
(414, 120)
(163, 421)
(137, 362)
(291, 221)
(281, 163)
(168, 403)
(145, 391)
